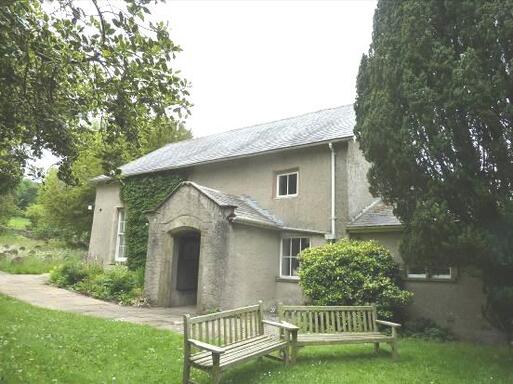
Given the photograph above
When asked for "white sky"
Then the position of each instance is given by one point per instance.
(251, 62)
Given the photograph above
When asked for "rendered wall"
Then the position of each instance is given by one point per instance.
(256, 177)
(453, 304)
(102, 245)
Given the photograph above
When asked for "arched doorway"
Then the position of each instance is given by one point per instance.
(187, 252)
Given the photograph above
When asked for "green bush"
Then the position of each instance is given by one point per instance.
(71, 273)
(427, 329)
(352, 272)
(117, 284)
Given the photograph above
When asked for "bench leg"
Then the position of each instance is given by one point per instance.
(186, 371)
(216, 370)
(395, 354)
(376, 347)
(286, 355)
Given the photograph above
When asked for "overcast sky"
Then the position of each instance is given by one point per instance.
(251, 62)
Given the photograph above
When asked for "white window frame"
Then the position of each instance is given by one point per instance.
(427, 275)
(120, 234)
(286, 174)
(282, 256)
(416, 275)
(443, 277)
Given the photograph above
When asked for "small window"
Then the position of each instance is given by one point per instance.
(290, 248)
(435, 273)
(417, 272)
(441, 273)
(287, 184)
(120, 237)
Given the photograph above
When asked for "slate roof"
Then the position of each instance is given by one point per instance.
(378, 214)
(315, 127)
(245, 207)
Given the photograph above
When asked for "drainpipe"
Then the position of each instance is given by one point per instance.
(333, 235)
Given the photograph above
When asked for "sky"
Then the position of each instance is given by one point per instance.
(251, 62)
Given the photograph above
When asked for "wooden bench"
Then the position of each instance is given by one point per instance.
(220, 340)
(337, 325)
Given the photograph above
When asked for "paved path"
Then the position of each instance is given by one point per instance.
(34, 289)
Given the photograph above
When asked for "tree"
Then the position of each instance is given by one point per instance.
(434, 118)
(66, 62)
(7, 208)
(26, 193)
(61, 209)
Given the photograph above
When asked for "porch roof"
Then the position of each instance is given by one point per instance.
(245, 208)
(377, 215)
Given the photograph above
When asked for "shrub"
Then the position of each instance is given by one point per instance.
(73, 272)
(423, 328)
(117, 284)
(352, 272)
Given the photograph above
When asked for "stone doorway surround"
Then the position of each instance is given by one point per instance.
(186, 209)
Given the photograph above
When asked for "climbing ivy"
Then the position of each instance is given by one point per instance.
(142, 193)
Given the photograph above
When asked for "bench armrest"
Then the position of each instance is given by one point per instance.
(388, 323)
(283, 324)
(206, 347)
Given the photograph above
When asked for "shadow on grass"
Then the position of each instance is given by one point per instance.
(255, 371)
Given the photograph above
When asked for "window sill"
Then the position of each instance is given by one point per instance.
(429, 280)
(286, 197)
(280, 279)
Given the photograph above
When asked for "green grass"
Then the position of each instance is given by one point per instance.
(21, 254)
(18, 223)
(43, 346)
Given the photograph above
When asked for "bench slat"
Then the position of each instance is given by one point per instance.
(240, 352)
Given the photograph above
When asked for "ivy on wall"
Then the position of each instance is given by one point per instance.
(142, 193)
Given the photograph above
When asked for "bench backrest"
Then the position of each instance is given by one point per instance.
(330, 319)
(226, 327)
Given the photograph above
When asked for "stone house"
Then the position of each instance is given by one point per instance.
(253, 199)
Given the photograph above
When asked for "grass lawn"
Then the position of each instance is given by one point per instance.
(43, 346)
(18, 222)
(21, 254)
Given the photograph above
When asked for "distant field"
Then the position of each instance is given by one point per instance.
(21, 254)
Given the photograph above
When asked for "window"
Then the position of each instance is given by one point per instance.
(286, 184)
(435, 273)
(290, 248)
(120, 237)
(441, 273)
(416, 272)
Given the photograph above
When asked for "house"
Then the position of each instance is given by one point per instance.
(253, 199)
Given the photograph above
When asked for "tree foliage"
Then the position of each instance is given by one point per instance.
(61, 210)
(352, 272)
(434, 117)
(26, 193)
(66, 62)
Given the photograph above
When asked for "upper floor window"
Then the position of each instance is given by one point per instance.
(120, 237)
(287, 184)
(290, 248)
(437, 273)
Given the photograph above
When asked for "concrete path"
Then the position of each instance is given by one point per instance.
(34, 290)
